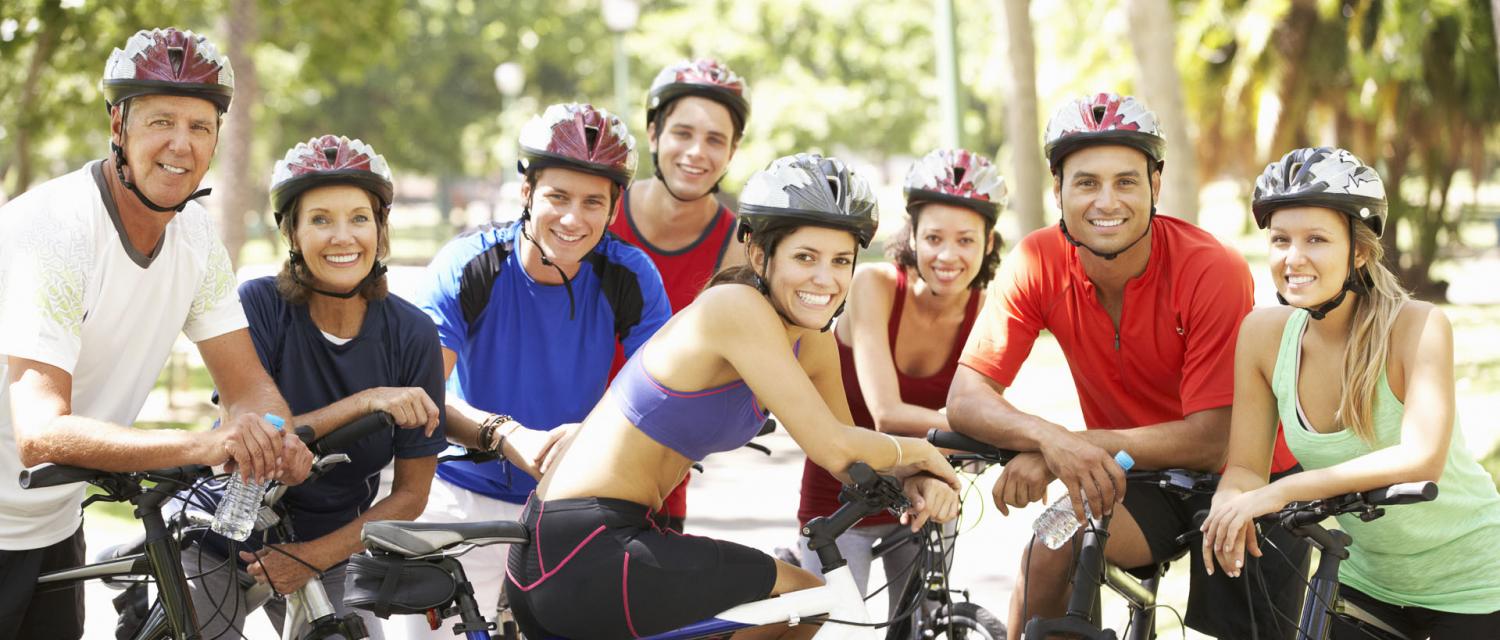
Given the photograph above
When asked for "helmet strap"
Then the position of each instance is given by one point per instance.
(656, 168)
(375, 272)
(119, 153)
(1355, 282)
(1112, 255)
(567, 282)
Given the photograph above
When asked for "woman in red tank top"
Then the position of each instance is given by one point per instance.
(907, 324)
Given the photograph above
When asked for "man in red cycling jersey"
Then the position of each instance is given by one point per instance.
(1146, 308)
(695, 116)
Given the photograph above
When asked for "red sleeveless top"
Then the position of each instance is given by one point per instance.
(686, 270)
(820, 490)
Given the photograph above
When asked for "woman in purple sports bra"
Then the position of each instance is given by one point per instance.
(756, 340)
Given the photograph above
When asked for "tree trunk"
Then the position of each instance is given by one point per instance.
(237, 177)
(1027, 179)
(1153, 37)
(28, 119)
(1291, 45)
(1495, 18)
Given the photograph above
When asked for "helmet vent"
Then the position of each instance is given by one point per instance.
(332, 154)
(1294, 169)
(591, 137)
(175, 56)
(1098, 112)
(834, 186)
(958, 175)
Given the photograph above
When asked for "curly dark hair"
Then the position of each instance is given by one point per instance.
(903, 252)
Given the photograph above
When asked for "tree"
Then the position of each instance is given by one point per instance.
(235, 154)
(1028, 184)
(1153, 37)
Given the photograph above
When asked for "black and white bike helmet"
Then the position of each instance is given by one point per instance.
(1321, 177)
(808, 188)
(1324, 177)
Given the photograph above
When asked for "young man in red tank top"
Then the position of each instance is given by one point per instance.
(895, 379)
(695, 115)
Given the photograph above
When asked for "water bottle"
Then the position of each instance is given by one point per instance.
(1057, 524)
(235, 518)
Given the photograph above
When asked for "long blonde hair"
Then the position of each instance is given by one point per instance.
(1369, 336)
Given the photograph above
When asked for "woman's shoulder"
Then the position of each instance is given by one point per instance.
(1413, 322)
(1264, 325)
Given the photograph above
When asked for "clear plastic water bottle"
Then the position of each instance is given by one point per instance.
(235, 518)
(1056, 526)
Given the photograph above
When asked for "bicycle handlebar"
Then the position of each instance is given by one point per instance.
(1365, 503)
(52, 475)
(960, 442)
(352, 432)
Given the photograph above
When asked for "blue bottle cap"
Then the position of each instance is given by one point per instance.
(278, 422)
(1126, 462)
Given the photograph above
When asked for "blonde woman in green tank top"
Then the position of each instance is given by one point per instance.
(1361, 378)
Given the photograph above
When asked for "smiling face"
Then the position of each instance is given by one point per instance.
(694, 145)
(1105, 194)
(809, 273)
(337, 235)
(1309, 254)
(570, 211)
(169, 142)
(950, 246)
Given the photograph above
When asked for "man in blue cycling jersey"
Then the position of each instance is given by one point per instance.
(528, 315)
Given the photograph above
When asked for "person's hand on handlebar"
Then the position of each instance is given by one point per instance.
(930, 498)
(1230, 527)
(410, 407)
(1022, 481)
(928, 460)
(1088, 471)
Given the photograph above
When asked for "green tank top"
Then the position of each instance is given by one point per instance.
(1442, 555)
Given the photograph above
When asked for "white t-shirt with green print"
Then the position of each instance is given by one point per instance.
(76, 295)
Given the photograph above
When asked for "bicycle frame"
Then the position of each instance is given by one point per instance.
(171, 616)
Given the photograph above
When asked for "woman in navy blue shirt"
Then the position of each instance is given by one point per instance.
(339, 346)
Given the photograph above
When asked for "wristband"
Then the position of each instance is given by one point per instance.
(900, 457)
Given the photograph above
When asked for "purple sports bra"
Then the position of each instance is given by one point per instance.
(692, 423)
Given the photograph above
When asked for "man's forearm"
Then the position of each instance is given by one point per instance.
(995, 420)
(96, 444)
(258, 399)
(1179, 444)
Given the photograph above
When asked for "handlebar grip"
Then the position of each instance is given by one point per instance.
(953, 440)
(960, 442)
(53, 475)
(1404, 493)
(356, 430)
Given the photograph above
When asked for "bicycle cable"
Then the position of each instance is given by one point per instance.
(1327, 606)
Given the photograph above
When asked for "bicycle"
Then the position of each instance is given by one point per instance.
(1083, 616)
(411, 568)
(157, 556)
(929, 610)
(1322, 603)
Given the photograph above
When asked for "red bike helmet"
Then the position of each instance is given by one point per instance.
(1100, 119)
(704, 77)
(958, 177)
(329, 160)
(170, 62)
(580, 137)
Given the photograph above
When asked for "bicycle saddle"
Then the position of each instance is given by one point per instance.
(413, 539)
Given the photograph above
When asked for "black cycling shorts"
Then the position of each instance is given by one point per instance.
(1219, 605)
(600, 568)
(1414, 622)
